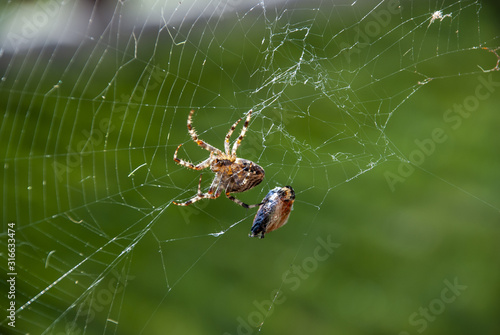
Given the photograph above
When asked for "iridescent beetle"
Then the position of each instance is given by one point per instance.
(274, 211)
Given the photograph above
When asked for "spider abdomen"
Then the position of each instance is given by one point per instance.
(245, 175)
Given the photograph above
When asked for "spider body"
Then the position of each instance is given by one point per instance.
(237, 176)
(232, 174)
(274, 211)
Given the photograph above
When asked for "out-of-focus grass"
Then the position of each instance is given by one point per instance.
(396, 248)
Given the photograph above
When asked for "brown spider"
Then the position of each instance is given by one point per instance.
(232, 174)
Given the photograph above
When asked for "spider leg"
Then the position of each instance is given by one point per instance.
(195, 138)
(200, 166)
(228, 136)
(242, 134)
(200, 195)
(241, 203)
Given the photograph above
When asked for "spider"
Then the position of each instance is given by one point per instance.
(274, 211)
(232, 174)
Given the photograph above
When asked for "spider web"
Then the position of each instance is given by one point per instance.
(95, 98)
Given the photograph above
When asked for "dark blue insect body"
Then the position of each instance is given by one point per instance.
(274, 211)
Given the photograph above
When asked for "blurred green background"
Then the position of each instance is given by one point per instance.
(342, 94)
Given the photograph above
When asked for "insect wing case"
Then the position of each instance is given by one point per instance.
(274, 211)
